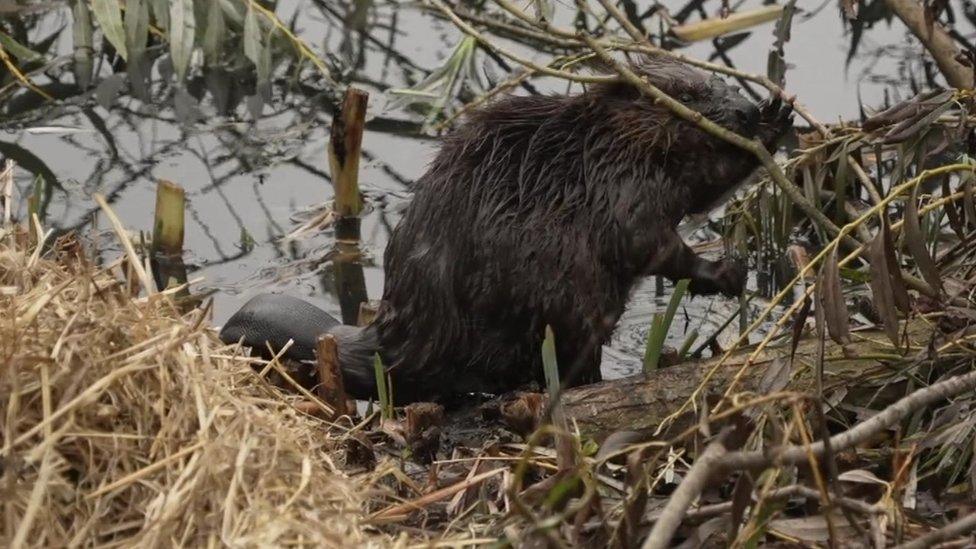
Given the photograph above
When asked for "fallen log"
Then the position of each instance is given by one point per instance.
(643, 401)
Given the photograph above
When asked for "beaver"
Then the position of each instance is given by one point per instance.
(538, 211)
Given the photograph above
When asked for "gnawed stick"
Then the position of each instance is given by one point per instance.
(392, 513)
(331, 388)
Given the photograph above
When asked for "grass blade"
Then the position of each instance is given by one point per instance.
(882, 290)
(252, 36)
(386, 404)
(660, 325)
(915, 243)
(832, 300)
(550, 366)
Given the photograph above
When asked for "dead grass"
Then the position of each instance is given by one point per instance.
(127, 423)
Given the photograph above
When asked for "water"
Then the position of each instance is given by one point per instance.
(249, 184)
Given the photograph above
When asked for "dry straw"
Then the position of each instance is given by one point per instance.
(127, 423)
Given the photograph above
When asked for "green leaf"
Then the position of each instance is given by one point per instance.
(234, 11)
(136, 35)
(136, 26)
(686, 346)
(441, 85)
(213, 36)
(81, 35)
(109, 16)
(21, 52)
(160, 10)
(832, 302)
(182, 33)
(915, 243)
(386, 405)
(252, 36)
(265, 65)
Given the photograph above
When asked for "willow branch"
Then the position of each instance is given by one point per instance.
(470, 31)
(690, 488)
(955, 529)
(860, 433)
(936, 40)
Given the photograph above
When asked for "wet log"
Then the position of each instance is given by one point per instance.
(642, 402)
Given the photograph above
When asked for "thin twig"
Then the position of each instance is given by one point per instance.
(435, 496)
(858, 434)
(126, 243)
(470, 31)
(690, 488)
(956, 529)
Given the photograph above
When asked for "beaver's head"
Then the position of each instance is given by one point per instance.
(692, 159)
(708, 94)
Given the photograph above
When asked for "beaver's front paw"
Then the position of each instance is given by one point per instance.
(776, 118)
(726, 276)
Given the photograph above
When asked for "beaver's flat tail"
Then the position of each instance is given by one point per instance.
(273, 319)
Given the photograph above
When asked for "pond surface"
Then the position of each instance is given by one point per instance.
(249, 183)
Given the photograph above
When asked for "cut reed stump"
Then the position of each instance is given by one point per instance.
(168, 235)
(642, 402)
(331, 388)
(344, 150)
(168, 228)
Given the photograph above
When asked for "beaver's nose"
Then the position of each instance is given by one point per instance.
(747, 115)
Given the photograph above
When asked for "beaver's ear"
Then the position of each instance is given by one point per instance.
(596, 65)
(617, 87)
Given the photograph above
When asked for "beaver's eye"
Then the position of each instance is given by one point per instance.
(686, 97)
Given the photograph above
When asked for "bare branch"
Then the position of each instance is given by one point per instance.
(858, 434)
(956, 529)
(936, 40)
(698, 477)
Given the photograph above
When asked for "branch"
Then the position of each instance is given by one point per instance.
(470, 31)
(935, 39)
(716, 460)
(955, 529)
(858, 434)
(779, 494)
(694, 482)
